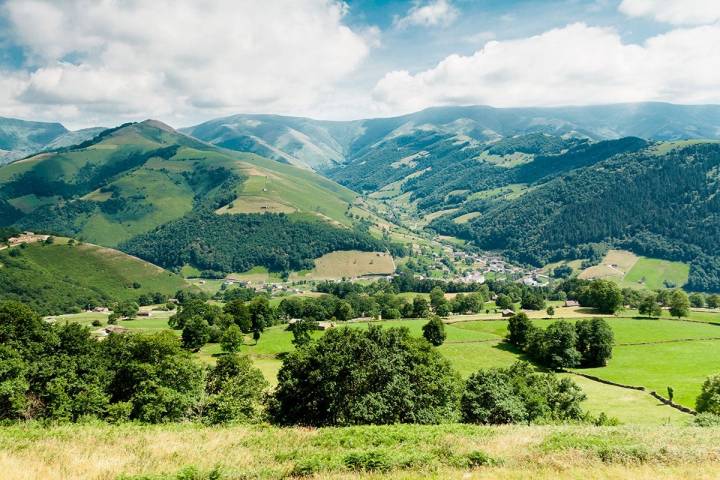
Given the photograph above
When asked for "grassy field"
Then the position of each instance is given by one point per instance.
(348, 264)
(473, 345)
(186, 451)
(655, 274)
(630, 270)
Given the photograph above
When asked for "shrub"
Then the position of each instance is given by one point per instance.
(516, 394)
(709, 399)
(96, 323)
(234, 388)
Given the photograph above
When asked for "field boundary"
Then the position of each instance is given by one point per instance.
(652, 393)
(674, 340)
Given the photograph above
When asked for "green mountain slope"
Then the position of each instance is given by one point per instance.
(57, 278)
(130, 180)
(661, 201)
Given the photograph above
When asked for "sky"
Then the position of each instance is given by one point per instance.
(104, 62)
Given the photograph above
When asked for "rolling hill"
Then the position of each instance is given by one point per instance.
(132, 185)
(60, 277)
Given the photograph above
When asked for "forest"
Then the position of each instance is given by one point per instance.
(236, 243)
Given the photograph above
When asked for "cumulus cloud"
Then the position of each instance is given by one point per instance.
(574, 65)
(431, 14)
(179, 59)
(675, 12)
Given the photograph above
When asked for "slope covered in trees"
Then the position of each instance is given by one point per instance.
(236, 243)
(660, 202)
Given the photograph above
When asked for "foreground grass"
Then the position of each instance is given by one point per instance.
(186, 451)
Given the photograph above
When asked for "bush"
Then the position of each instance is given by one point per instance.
(516, 394)
(707, 420)
(234, 388)
(709, 399)
(353, 377)
(96, 323)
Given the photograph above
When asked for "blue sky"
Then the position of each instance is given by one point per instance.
(102, 62)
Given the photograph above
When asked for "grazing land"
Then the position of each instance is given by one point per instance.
(186, 451)
(350, 264)
(630, 270)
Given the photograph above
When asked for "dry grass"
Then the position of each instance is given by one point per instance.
(616, 264)
(98, 451)
(351, 263)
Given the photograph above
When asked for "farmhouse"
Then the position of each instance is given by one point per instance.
(27, 237)
(105, 331)
(508, 313)
(572, 303)
(101, 310)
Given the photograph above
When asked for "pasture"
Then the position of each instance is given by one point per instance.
(192, 451)
(348, 264)
(630, 270)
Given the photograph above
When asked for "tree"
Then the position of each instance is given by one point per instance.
(195, 334)
(127, 309)
(550, 310)
(420, 307)
(709, 399)
(697, 300)
(376, 376)
(605, 296)
(532, 301)
(437, 296)
(302, 332)
(679, 304)
(558, 346)
(594, 342)
(443, 309)
(155, 379)
(434, 331)
(344, 311)
(261, 316)
(650, 306)
(232, 339)
(505, 302)
(519, 328)
(240, 314)
(713, 301)
(234, 389)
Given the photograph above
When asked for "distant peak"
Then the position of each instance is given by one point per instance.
(158, 124)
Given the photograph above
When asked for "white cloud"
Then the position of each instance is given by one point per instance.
(432, 14)
(178, 59)
(574, 65)
(675, 12)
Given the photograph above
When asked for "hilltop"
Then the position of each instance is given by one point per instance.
(139, 185)
(60, 277)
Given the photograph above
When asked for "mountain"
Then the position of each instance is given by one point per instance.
(60, 277)
(326, 145)
(303, 142)
(661, 200)
(19, 138)
(130, 185)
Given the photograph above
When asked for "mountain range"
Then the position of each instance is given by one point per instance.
(538, 184)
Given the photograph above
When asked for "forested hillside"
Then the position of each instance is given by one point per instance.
(660, 202)
(142, 185)
(236, 243)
